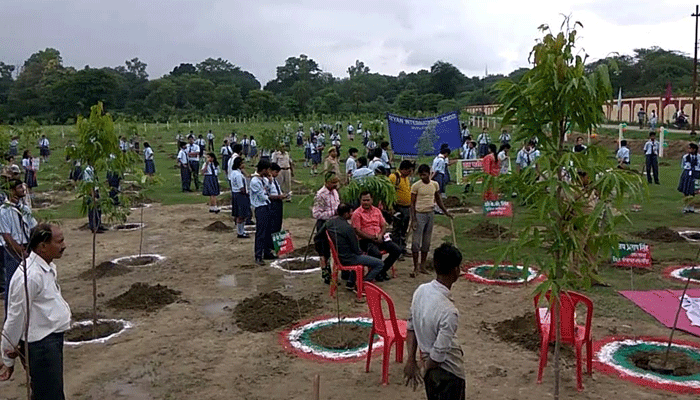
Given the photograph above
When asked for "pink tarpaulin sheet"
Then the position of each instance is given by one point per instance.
(663, 304)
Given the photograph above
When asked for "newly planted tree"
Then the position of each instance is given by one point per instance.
(573, 201)
(97, 148)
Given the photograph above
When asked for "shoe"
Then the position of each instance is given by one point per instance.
(218, 210)
(327, 281)
(270, 257)
(246, 236)
(379, 278)
(250, 223)
(657, 183)
(351, 287)
(438, 212)
(259, 262)
(385, 277)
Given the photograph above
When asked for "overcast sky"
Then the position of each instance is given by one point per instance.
(389, 36)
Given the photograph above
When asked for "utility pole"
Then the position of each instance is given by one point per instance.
(695, 72)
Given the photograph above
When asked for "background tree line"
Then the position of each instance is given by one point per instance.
(45, 90)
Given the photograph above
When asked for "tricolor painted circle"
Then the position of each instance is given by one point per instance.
(615, 356)
(298, 340)
(504, 274)
(681, 273)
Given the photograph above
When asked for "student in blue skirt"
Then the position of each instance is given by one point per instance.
(691, 170)
(240, 202)
(29, 170)
(307, 151)
(253, 148)
(226, 152)
(150, 167)
(210, 187)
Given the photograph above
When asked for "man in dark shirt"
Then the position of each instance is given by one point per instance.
(345, 240)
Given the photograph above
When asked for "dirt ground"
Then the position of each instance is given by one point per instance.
(192, 347)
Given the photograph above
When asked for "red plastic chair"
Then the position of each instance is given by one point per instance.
(571, 333)
(391, 330)
(337, 265)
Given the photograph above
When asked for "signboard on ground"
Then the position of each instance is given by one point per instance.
(468, 167)
(498, 208)
(283, 242)
(632, 254)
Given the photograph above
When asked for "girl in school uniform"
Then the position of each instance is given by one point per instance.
(202, 145)
(316, 151)
(253, 148)
(307, 151)
(150, 167)
(226, 152)
(691, 170)
(211, 181)
(246, 145)
(29, 170)
(240, 202)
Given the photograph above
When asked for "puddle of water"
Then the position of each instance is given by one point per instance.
(219, 308)
(228, 280)
(235, 280)
(124, 390)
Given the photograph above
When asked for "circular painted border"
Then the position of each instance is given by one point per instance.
(158, 258)
(605, 349)
(534, 275)
(684, 233)
(291, 340)
(125, 325)
(674, 272)
(145, 205)
(280, 262)
(139, 226)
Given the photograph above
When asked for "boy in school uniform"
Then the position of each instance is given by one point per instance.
(226, 152)
(193, 154)
(424, 195)
(483, 141)
(350, 163)
(260, 201)
(276, 196)
(202, 145)
(240, 202)
(210, 140)
(439, 168)
(651, 152)
(183, 163)
(623, 156)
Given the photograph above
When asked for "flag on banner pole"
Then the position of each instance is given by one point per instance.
(667, 99)
(619, 99)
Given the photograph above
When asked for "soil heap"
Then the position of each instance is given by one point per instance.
(268, 311)
(660, 234)
(142, 296)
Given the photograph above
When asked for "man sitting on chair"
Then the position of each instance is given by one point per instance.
(370, 227)
(343, 236)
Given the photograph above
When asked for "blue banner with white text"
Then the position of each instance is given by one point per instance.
(409, 135)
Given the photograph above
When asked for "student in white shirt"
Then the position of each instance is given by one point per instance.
(150, 167)
(504, 159)
(240, 202)
(623, 155)
(483, 141)
(210, 185)
(226, 152)
(210, 140)
(376, 162)
(49, 316)
(527, 156)
(432, 329)
(253, 148)
(44, 150)
(504, 138)
(193, 154)
(651, 152)
(184, 164)
(439, 168)
(362, 171)
(350, 164)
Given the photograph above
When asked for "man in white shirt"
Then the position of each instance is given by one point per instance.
(193, 153)
(432, 328)
(49, 316)
(623, 155)
(362, 171)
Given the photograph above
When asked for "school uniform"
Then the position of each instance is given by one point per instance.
(276, 206)
(185, 176)
(265, 154)
(246, 147)
(285, 176)
(300, 138)
(13, 147)
(307, 150)
(29, 172)
(193, 161)
(44, 147)
(469, 153)
(439, 167)
(150, 167)
(113, 180)
(240, 202)
(504, 138)
(651, 153)
(263, 217)
(210, 139)
(350, 166)
(210, 186)
(483, 141)
(202, 146)
(94, 213)
(623, 154)
(316, 154)
(253, 148)
(686, 184)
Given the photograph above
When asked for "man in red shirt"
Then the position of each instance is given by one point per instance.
(370, 227)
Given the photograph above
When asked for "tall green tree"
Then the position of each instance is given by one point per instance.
(574, 201)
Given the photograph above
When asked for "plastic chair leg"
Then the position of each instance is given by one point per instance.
(589, 357)
(369, 349)
(359, 284)
(399, 349)
(385, 361)
(579, 361)
(544, 348)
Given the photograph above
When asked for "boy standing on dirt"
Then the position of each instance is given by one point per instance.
(402, 207)
(432, 328)
(424, 194)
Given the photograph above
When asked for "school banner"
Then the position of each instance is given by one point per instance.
(498, 208)
(468, 167)
(404, 132)
(282, 242)
(632, 254)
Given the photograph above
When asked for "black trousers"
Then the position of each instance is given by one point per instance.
(263, 232)
(46, 367)
(444, 385)
(652, 164)
(194, 170)
(401, 221)
(185, 178)
(374, 249)
(276, 209)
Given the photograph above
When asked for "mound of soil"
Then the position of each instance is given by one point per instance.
(309, 250)
(299, 265)
(692, 235)
(679, 363)
(341, 336)
(269, 311)
(218, 226)
(504, 274)
(522, 330)
(452, 202)
(692, 273)
(138, 261)
(487, 230)
(105, 269)
(660, 234)
(82, 333)
(143, 296)
(189, 221)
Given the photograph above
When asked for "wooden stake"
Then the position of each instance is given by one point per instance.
(317, 387)
(454, 237)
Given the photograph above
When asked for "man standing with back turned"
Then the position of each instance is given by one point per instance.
(432, 328)
(49, 316)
